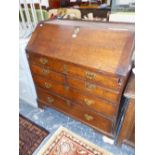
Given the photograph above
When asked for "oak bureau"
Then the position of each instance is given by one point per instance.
(81, 68)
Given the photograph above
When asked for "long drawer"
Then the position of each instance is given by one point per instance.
(89, 117)
(93, 102)
(113, 82)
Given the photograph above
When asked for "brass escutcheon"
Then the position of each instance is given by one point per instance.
(76, 31)
(88, 117)
(47, 85)
(88, 102)
(50, 100)
(90, 75)
(43, 61)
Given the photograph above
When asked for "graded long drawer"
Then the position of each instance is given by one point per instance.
(94, 103)
(89, 117)
(92, 75)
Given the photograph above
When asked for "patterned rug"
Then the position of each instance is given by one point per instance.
(64, 142)
(30, 136)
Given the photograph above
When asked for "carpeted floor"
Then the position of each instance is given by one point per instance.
(51, 120)
(30, 136)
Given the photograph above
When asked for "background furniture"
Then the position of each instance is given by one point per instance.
(97, 12)
(30, 13)
(84, 7)
(127, 132)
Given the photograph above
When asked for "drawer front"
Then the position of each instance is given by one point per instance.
(55, 87)
(76, 111)
(94, 103)
(47, 73)
(94, 89)
(114, 83)
(95, 77)
(53, 100)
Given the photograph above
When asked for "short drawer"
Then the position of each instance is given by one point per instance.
(54, 100)
(94, 89)
(47, 73)
(53, 86)
(110, 81)
(89, 117)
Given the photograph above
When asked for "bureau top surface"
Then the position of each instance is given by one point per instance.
(104, 47)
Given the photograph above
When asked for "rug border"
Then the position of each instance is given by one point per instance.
(38, 126)
(60, 129)
(20, 115)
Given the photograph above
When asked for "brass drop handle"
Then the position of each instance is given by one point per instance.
(90, 75)
(47, 85)
(88, 117)
(45, 71)
(50, 99)
(88, 102)
(90, 86)
(43, 61)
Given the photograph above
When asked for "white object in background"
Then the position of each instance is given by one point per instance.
(108, 140)
(133, 70)
(43, 2)
(124, 2)
(27, 91)
(90, 16)
(108, 2)
(122, 17)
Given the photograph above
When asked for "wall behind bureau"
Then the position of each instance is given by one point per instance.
(27, 91)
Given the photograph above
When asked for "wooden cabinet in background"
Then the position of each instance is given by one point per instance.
(127, 131)
(54, 4)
